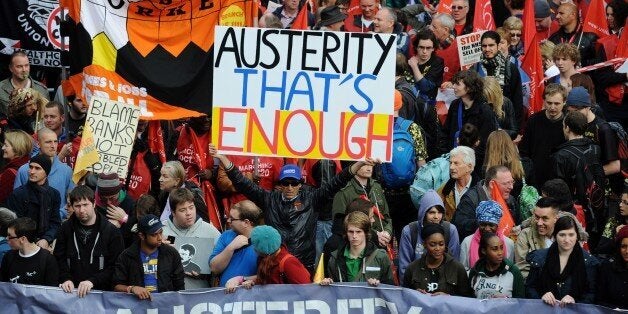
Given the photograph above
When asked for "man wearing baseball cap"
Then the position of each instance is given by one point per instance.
(294, 209)
(147, 266)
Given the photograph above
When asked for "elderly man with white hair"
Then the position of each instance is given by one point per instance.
(461, 164)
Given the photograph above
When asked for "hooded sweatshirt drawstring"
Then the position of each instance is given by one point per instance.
(78, 252)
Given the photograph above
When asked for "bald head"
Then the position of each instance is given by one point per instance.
(567, 15)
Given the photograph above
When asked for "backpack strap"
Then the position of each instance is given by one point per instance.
(404, 124)
(282, 262)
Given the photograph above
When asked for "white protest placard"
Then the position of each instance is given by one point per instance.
(303, 94)
(469, 49)
(113, 124)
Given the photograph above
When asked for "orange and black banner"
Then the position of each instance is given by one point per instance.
(156, 54)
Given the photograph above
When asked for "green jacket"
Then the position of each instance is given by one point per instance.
(353, 190)
(453, 277)
(375, 264)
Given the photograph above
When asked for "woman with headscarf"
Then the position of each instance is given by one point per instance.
(437, 272)
(564, 273)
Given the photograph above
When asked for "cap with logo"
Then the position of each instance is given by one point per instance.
(149, 224)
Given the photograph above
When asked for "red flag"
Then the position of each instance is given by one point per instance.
(156, 140)
(506, 223)
(529, 25)
(483, 16)
(595, 19)
(622, 45)
(300, 22)
(444, 6)
(533, 66)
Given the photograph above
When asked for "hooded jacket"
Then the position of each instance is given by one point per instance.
(294, 219)
(407, 253)
(374, 192)
(375, 264)
(93, 261)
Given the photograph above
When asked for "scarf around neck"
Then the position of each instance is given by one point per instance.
(474, 253)
(495, 67)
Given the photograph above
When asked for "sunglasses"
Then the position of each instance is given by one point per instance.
(290, 183)
(515, 34)
(457, 8)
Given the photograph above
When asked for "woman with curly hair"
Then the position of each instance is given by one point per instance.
(502, 106)
(16, 151)
(469, 107)
(24, 104)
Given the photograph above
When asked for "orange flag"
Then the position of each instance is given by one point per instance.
(300, 22)
(595, 19)
(444, 6)
(506, 223)
(533, 66)
(483, 16)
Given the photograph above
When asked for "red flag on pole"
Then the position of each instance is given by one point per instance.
(483, 16)
(444, 6)
(156, 140)
(529, 25)
(300, 22)
(533, 66)
(595, 19)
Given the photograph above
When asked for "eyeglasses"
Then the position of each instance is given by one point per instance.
(290, 183)
(424, 48)
(11, 238)
(515, 34)
(234, 219)
(458, 7)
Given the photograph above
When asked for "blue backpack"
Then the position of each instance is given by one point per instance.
(431, 176)
(400, 172)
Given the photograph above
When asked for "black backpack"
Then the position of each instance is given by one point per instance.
(589, 181)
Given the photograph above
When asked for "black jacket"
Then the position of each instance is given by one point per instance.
(588, 55)
(296, 219)
(128, 204)
(93, 261)
(170, 276)
(612, 288)
(29, 199)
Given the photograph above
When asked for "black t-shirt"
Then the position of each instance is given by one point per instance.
(76, 125)
(601, 133)
(38, 269)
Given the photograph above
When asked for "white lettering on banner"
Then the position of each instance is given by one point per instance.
(343, 306)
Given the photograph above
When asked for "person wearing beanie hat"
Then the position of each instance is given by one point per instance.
(60, 175)
(437, 272)
(543, 19)
(293, 207)
(578, 97)
(116, 204)
(488, 214)
(38, 201)
(148, 266)
(398, 101)
(275, 266)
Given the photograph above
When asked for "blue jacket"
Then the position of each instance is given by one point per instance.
(60, 178)
(407, 253)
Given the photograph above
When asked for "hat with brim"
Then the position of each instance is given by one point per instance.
(330, 15)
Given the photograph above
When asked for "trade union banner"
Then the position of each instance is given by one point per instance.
(270, 299)
(155, 54)
(33, 26)
(303, 94)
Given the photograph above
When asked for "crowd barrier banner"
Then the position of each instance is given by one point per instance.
(299, 299)
(303, 94)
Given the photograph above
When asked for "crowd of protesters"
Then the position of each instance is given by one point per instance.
(559, 175)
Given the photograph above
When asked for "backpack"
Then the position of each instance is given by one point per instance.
(424, 114)
(399, 173)
(622, 146)
(589, 182)
(414, 233)
(430, 177)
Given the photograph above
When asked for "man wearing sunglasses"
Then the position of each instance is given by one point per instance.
(293, 209)
(460, 11)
